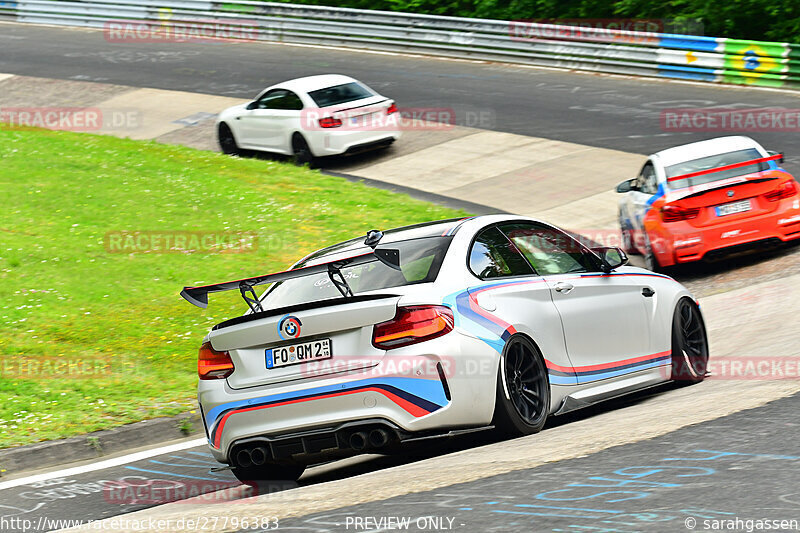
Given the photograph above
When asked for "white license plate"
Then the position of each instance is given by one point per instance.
(365, 120)
(734, 207)
(295, 354)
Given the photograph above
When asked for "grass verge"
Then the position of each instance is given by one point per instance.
(93, 333)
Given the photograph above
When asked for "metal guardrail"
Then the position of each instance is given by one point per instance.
(687, 57)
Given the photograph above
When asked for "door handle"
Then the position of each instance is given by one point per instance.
(647, 292)
(563, 287)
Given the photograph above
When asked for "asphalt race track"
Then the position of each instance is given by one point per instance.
(596, 110)
(671, 483)
(190, 472)
(705, 471)
(170, 477)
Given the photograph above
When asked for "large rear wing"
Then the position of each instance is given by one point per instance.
(199, 295)
(776, 157)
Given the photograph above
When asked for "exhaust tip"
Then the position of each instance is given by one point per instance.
(243, 458)
(358, 440)
(258, 455)
(378, 438)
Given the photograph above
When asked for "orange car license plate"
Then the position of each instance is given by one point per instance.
(734, 207)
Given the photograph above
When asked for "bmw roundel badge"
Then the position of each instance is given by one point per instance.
(289, 327)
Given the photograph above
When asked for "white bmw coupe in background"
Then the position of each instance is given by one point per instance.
(431, 329)
(311, 117)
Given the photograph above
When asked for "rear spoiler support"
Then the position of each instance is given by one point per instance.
(250, 297)
(336, 277)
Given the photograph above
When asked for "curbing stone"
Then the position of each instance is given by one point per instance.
(97, 444)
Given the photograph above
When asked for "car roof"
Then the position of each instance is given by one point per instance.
(696, 150)
(436, 228)
(313, 83)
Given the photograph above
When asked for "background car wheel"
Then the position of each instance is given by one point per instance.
(268, 473)
(227, 142)
(523, 375)
(689, 343)
(650, 259)
(301, 151)
(627, 240)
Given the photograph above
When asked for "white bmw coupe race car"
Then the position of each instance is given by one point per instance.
(311, 117)
(431, 330)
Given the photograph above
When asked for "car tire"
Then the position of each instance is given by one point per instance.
(227, 142)
(523, 389)
(689, 343)
(301, 151)
(268, 473)
(627, 240)
(650, 259)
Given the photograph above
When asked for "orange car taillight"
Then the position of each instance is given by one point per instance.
(787, 190)
(329, 122)
(212, 364)
(391, 109)
(673, 213)
(412, 325)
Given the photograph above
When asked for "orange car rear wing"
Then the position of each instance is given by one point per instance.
(726, 167)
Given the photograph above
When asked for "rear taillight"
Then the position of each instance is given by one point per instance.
(412, 325)
(391, 109)
(787, 190)
(673, 213)
(329, 122)
(212, 364)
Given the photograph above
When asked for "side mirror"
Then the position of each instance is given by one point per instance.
(626, 186)
(611, 257)
(252, 105)
(780, 161)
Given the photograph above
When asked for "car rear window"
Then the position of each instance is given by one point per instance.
(714, 161)
(493, 256)
(420, 261)
(340, 94)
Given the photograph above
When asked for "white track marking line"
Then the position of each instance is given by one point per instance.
(108, 463)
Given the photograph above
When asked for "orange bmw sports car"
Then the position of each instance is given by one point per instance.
(708, 199)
